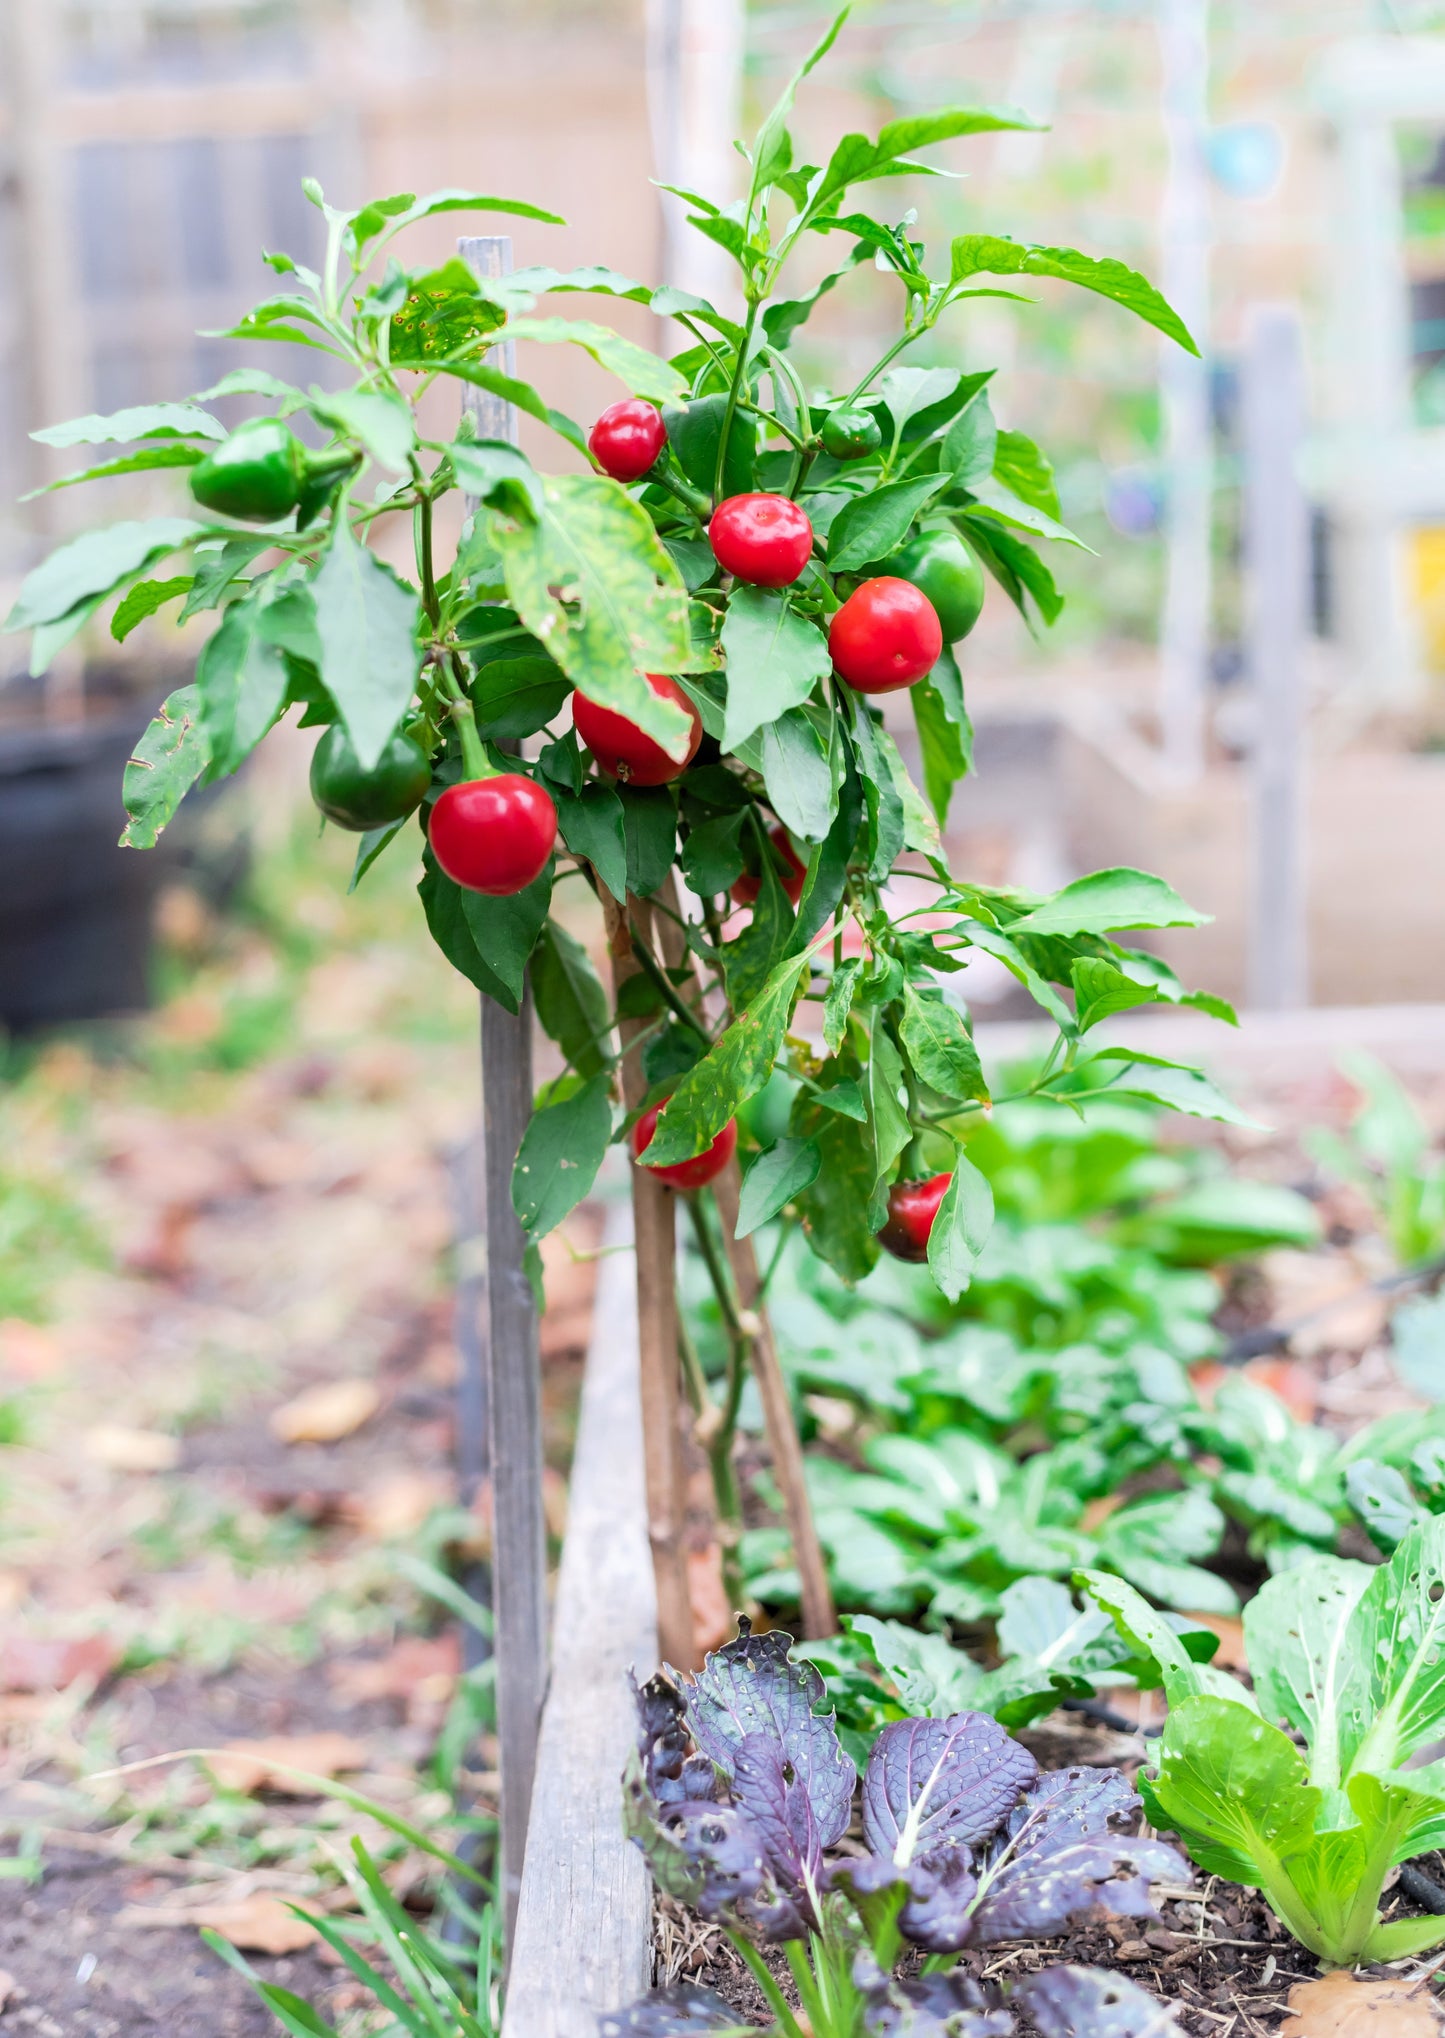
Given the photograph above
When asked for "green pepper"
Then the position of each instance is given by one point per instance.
(851, 434)
(948, 573)
(262, 471)
(358, 799)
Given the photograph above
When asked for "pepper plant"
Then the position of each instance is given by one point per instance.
(693, 639)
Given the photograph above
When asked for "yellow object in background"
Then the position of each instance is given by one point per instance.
(1427, 588)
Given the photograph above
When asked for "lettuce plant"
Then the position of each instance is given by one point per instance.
(1350, 1661)
(741, 1796)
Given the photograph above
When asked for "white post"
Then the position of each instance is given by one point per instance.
(1184, 389)
(695, 54)
(1277, 585)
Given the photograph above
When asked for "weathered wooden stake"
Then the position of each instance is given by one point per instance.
(1276, 538)
(514, 1398)
(654, 1220)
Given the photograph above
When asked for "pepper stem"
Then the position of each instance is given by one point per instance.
(474, 757)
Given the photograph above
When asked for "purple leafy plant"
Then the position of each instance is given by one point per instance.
(741, 1797)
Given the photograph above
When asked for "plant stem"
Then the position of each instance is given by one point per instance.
(762, 1975)
(652, 969)
(909, 335)
(424, 550)
(734, 390)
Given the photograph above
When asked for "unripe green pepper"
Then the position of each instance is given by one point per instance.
(358, 799)
(257, 473)
(851, 434)
(948, 573)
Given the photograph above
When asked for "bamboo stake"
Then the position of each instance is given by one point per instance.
(782, 1432)
(654, 1217)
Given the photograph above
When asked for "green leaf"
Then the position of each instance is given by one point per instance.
(839, 1002)
(858, 160)
(166, 762)
(775, 658)
(370, 846)
(1100, 991)
(591, 581)
(971, 444)
(771, 150)
(218, 568)
(143, 600)
(405, 210)
(591, 825)
(467, 942)
(992, 499)
(792, 755)
(1107, 899)
(694, 430)
(1397, 1635)
(987, 254)
(649, 821)
(516, 697)
(560, 1154)
(141, 421)
(882, 804)
(505, 931)
(774, 1179)
(1016, 566)
(946, 746)
(734, 1068)
(241, 677)
(827, 877)
(871, 526)
(1150, 1635)
(1305, 1668)
(1233, 1787)
(888, 1126)
(961, 1228)
(834, 1209)
(512, 389)
(251, 382)
(382, 423)
(367, 619)
(134, 463)
(497, 473)
(712, 857)
(90, 566)
(1147, 1075)
(571, 1003)
(1023, 469)
(638, 370)
(920, 830)
(941, 1048)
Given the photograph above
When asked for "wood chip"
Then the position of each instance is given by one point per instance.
(249, 1766)
(1344, 2006)
(258, 1924)
(130, 1450)
(323, 1415)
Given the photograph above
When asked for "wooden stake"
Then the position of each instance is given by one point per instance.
(514, 1393)
(781, 1430)
(654, 1218)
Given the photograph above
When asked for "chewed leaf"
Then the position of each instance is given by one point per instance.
(752, 1688)
(1089, 2002)
(165, 764)
(1397, 1633)
(668, 2011)
(933, 1783)
(771, 1793)
(1304, 1671)
(926, 2006)
(1065, 1862)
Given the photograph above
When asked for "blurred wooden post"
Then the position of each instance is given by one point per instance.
(654, 1220)
(514, 1397)
(1276, 536)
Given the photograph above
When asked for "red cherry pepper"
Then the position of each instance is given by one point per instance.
(792, 877)
(696, 1173)
(886, 636)
(765, 540)
(627, 438)
(912, 1207)
(622, 749)
(494, 835)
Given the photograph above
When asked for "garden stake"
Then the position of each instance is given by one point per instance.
(654, 1217)
(780, 1429)
(519, 1542)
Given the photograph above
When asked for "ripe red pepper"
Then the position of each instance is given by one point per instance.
(765, 540)
(912, 1207)
(622, 749)
(886, 636)
(627, 439)
(494, 834)
(696, 1173)
(792, 877)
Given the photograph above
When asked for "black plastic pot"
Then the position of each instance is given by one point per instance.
(76, 911)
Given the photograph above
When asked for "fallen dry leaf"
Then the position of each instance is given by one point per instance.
(323, 1415)
(425, 1665)
(7, 1986)
(47, 1663)
(258, 1924)
(253, 1765)
(1343, 2006)
(398, 1504)
(712, 1615)
(130, 1450)
(1295, 1385)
